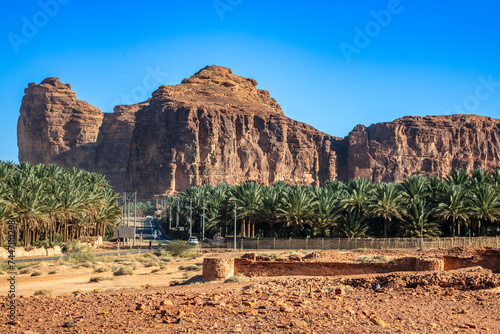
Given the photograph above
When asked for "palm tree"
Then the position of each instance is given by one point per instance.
(358, 192)
(297, 208)
(272, 200)
(452, 206)
(351, 224)
(248, 198)
(418, 214)
(484, 204)
(325, 208)
(385, 203)
(27, 205)
(414, 188)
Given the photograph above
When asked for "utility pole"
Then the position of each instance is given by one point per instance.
(422, 228)
(177, 216)
(135, 214)
(190, 217)
(234, 226)
(125, 211)
(203, 223)
(170, 214)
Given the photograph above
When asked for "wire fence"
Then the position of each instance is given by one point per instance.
(353, 243)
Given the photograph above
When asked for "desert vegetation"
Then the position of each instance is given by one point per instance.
(457, 205)
(50, 204)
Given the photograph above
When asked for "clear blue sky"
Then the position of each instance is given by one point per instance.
(331, 64)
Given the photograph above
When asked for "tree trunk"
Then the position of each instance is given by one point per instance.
(248, 230)
(253, 230)
(243, 224)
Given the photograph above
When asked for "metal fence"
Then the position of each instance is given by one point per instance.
(354, 243)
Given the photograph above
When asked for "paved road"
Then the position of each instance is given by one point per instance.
(148, 228)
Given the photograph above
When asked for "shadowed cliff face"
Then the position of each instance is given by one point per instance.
(216, 127)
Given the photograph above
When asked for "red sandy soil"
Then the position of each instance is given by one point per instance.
(459, 301)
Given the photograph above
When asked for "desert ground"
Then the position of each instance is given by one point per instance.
(164, 294)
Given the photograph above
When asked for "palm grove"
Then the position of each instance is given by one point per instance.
(51, 205)
(457, 205)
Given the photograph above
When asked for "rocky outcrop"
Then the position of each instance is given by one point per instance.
(113, 144)
(55, 127)
(216, 127)
(432, 145)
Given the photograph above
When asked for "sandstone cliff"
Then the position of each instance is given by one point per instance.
(432, 145)
(216, 127)
(56, 127)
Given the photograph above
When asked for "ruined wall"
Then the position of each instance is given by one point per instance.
(488, 259)
(256, 266)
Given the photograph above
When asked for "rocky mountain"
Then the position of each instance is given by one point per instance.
(432, 145)
(216, 127)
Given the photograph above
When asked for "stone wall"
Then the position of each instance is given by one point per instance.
(21, 252)
(488, 259)
(295, 268)
(217, 269)
(256, 266)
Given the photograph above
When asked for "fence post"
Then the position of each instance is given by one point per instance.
(307, 237)
(257, 243)
(290, 243)
(322, 243)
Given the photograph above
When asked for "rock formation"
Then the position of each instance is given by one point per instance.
(432, 145)
(216, 127)
(55, 127)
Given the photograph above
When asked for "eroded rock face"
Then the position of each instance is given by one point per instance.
(55, 127)
(113, 144)
(432, 145)
(216, 127)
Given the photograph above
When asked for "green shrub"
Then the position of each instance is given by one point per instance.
(178, 248)
(36, 273)
(192, 267)
(124, 271)
(42, 292)
(236, 279)
(26, 265)
(98, 279)
(26, 271)
(176, 282)
(52, 272)
(380, 258)
(102, 269)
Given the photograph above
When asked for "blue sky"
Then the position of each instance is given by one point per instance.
(331, 64)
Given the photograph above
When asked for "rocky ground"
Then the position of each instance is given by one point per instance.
(459, 301)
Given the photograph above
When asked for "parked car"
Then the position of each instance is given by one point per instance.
(193, 240)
